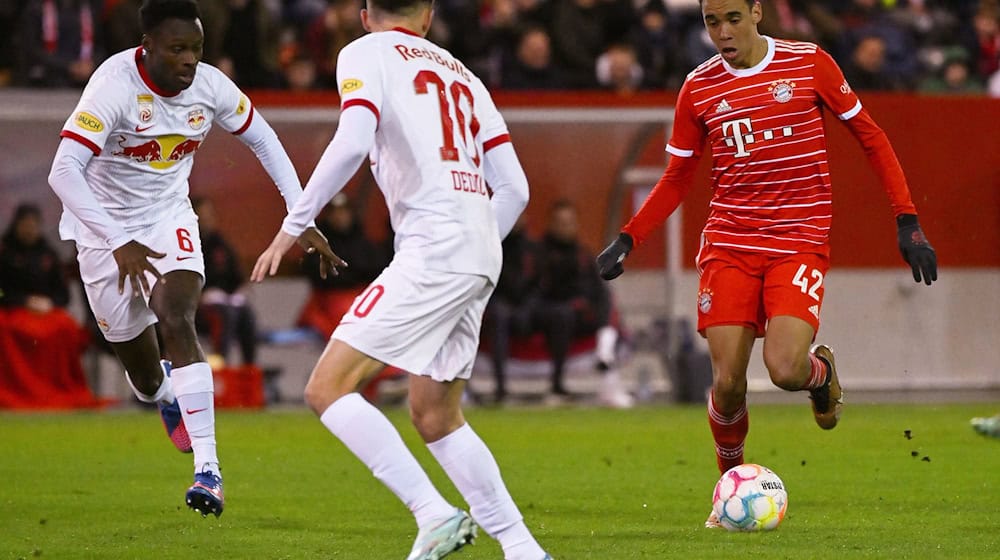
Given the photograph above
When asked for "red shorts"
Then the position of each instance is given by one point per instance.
(748, 288)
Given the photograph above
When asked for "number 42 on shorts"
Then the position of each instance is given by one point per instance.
(803, 282)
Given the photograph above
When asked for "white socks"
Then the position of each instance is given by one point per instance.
(606, 341)
(374, 440)
(475, 473)
(195, 392)
(164, 394)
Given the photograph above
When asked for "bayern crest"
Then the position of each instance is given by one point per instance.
(782, 90)
(705, 300)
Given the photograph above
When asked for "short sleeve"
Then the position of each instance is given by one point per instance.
(359, 77)
(688, 135)
(96, 115)
(833, 88)
(233, 109)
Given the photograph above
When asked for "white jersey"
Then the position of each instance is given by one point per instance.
(143, 139)
(435, 120)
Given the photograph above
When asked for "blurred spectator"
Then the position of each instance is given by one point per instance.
(581, 30)
(657, 47)
(250, 45)
(10, 11)
(867, 68)
(508, 313)
(58, 42)
(698, 47)
(299, 74)
(864, 19)
(122, 29)
(571, 301)
(40, 343)
(618, 70)
(330, 31)
(986, 46)
(799, 20)
(954, 76)
(224, 312)
(530, 66)
(332, 296)
(299, 13)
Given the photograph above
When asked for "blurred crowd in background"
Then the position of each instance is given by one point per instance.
(937, 46)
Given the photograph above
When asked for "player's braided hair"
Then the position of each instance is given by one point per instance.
(154, 12)
(398, 6)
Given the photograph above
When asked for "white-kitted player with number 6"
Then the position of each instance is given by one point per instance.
(435, 140)
(121, 172)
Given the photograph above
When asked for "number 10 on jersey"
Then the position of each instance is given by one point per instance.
(457, 90)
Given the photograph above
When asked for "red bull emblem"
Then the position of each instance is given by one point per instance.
(161, 152)
(196, 119)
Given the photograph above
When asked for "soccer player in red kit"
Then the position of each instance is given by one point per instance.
(765, 251)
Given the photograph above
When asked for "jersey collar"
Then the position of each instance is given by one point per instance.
(756, 68)
(406, 31)
(141, 66)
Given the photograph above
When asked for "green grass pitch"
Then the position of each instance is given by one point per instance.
(591, 484)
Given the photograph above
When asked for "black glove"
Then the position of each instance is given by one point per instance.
(916, 250)
(609, 262)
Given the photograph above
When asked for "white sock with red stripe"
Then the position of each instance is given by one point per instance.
(374, 440)
(817, 373)
(195, 392)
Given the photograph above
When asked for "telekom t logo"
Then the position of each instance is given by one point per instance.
(739, 128)
(740, 133)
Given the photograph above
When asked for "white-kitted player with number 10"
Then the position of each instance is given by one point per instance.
(435, 140)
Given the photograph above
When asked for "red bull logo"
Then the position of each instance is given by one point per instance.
(161, 152)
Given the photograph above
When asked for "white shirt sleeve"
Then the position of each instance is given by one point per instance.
(510, 186)
(352, 142)
(233, 110)
(261, 138)
(67, 180)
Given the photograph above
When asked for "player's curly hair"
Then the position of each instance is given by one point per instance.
(398, 6)
(154, 12)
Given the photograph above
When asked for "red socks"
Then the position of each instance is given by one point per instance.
(729, 432)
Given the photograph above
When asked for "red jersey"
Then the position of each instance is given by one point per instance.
(770, 172)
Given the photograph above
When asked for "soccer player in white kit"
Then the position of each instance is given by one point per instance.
(435, 140)
(121, 171)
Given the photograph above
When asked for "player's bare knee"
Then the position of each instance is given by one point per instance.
(787, 374)
(726, 383)
(431, 422)
(318, 400)
(319, 396)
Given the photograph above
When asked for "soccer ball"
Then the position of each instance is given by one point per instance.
(750, 498)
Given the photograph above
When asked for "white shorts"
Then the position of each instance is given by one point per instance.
(422, 321)
(122, 317)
